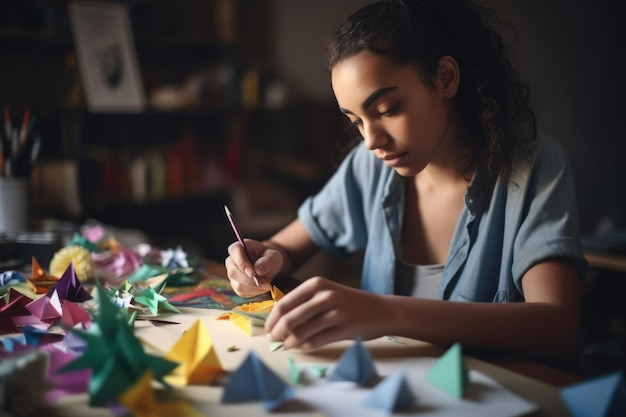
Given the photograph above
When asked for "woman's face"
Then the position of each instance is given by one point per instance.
(405, 122)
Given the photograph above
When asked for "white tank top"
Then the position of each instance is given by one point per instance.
(420, 281)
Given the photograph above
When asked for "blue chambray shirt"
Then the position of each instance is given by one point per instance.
(525, 220)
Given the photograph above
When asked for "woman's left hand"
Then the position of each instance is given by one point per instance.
(320, 311)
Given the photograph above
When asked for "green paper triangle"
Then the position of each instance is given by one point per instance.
(449, 372)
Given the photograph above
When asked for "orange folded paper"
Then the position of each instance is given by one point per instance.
(247, 316)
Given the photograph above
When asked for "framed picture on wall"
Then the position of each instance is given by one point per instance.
(106, 57)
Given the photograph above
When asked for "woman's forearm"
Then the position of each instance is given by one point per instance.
(526, 328)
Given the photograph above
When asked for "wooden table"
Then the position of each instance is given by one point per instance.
(539, 384)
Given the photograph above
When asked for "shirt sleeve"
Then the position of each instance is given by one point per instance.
(550, 227)
(334, 217)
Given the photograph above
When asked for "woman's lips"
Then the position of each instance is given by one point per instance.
(394, 160)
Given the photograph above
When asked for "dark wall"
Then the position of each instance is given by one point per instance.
(570, 51)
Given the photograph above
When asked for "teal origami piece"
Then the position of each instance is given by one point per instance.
(252, 381)
(449, 373)
(603, 396)
(82, 241)
(355, 365)
(391, 394)
(145, 272)
(114, 355)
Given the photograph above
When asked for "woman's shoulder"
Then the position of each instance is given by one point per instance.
(544, 150)
(545, 153)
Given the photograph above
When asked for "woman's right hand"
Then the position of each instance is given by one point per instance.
(240, 272)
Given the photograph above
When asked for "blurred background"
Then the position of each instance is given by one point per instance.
(217, 102)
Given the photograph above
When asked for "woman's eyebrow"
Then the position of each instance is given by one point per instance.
(371, 99)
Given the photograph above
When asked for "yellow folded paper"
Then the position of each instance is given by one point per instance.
(195, 352)
(247, 316)
(140, 402)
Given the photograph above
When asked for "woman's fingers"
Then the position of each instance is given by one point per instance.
(241, 283)
(307, 312)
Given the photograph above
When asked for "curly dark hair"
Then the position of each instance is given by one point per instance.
(492, 102)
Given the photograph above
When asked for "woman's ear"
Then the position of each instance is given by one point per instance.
(448, 76)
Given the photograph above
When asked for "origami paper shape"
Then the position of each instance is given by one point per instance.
(196, 354)
(47, 309)
(139, 399)
(603, 396)
(114, 355)
(74, 344)
(249, 315)
(172, 259)
(8, 278)
(115, 262)
(391, 394)
(38, 337)
(82, 241)
(8, 343)
(23, 384)
(69, 288)
(253, 380)
(449, 373)
(64, 383)
(275, 345)
(354, 365)
(39, 280)
(146, 271)
(73, 314)
(12, 308)
(155, 301)
(293, 372)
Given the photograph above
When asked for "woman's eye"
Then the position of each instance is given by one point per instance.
(388, 112)
(356, 123)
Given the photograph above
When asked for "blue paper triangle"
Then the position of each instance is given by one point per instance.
(252, 381)
(354, 365)
(391, 394)
(603, 396)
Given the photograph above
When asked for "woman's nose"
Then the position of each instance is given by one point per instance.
(373, 136)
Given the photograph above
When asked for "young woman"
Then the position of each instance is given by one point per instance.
(467, 217)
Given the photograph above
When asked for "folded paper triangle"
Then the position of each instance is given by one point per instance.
(40, 281)
(68, 287)
(355, 365)
(195, 352)
(391, 394)
(449, 373)
(72, 314)
(252, 381)
(603, 396)
(47, 308)
(140, 401)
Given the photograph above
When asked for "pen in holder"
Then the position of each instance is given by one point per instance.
(19, 148)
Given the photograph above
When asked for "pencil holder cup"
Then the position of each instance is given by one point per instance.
(14, 206)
